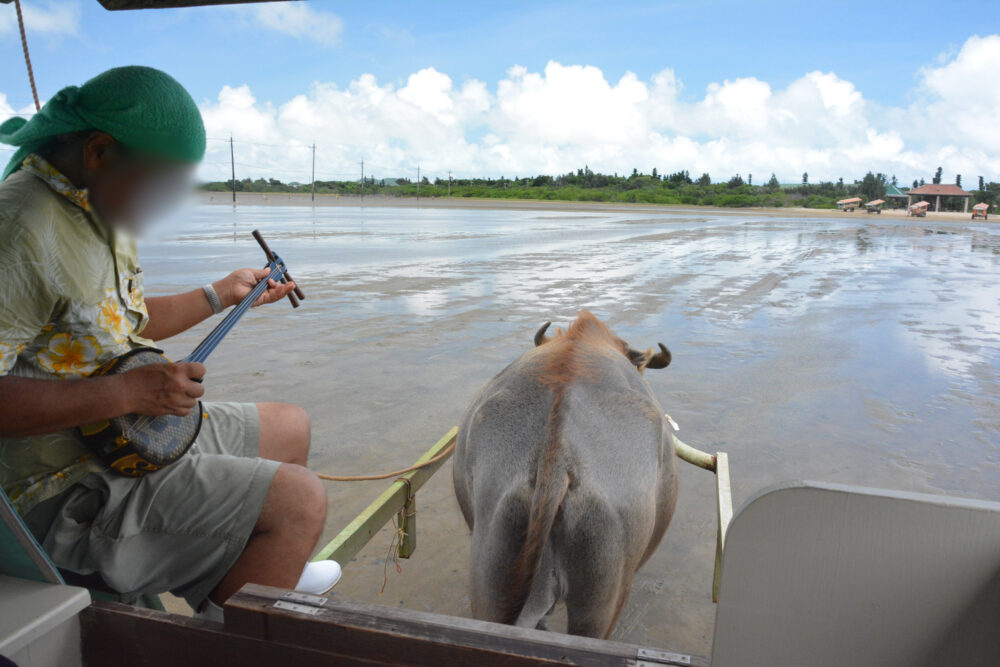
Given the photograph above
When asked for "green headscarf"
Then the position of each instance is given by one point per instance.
(141, 107)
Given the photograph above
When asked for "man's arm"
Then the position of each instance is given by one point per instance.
(170, 315)
(31, 406)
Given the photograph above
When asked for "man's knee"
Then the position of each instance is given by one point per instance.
(285, 432)
(298, 424)
(296, 499)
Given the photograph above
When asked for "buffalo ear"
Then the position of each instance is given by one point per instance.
(650, 358)
(540, 336)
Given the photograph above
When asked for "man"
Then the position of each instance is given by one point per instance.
(92, 167)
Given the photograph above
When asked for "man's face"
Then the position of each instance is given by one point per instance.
(129, 190)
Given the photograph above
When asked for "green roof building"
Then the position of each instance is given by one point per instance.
(896, 195)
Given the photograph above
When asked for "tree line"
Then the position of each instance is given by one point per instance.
(587, 185)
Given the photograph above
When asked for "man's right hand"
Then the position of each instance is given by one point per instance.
(163, 389)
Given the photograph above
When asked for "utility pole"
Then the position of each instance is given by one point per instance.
(232, 164)
(362, 180)
(449, 182)
(418, 181)
(314, 173)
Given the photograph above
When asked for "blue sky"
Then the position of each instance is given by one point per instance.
(878, 46)
(882, 49)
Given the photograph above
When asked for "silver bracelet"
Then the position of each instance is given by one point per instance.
(213, 298)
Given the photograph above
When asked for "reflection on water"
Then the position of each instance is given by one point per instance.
(842, 349)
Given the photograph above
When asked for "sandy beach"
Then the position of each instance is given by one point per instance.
(296, 199)
(829, 346)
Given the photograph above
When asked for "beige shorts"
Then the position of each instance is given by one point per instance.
(179, 529)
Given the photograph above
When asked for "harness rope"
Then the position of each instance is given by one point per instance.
(395, 473)
(684, 452)
(27, 56)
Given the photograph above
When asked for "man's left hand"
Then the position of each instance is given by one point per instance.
(234, 287)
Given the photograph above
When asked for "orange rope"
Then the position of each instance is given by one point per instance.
(27, 57)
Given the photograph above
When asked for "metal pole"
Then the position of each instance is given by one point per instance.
(449, 182)
(418, 181)
(362, 180)
(314, 173)
(232, 163)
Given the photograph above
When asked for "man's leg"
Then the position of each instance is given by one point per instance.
(284, 433)
(287, 529)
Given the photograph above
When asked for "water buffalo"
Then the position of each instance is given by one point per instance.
(565, 473)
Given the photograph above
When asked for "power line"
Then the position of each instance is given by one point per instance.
(257, 143)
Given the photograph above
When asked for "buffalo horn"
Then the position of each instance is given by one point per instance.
(661, 359)
(540, 334)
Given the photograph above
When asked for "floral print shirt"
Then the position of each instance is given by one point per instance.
(71, 299)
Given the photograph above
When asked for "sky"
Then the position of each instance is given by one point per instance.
(518, 89)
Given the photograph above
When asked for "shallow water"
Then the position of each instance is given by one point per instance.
(844, 349)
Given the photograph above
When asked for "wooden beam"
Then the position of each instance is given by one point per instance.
(118, 634)
(113, 5)
(719, 464)
(407, 522)
(388, 635)
(686, 452)
(724, 501)
(360, 531)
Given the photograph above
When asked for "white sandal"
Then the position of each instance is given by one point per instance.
(319, 577)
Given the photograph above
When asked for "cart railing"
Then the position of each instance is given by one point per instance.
(399, 501)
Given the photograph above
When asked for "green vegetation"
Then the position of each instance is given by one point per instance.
(587, 185)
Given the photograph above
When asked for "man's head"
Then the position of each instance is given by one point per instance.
(126, 188)
(131, 136)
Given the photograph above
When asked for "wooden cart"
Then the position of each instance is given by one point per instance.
(875, 206)
(849, 204)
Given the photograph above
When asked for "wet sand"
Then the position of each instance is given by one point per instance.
(839, 347)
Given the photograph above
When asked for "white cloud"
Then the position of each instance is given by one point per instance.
(51, 18)
(963, 96)
(300, 20)
(6, 109)
(568, 116)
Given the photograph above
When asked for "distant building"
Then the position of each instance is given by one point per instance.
(939, 191)
(896, 195)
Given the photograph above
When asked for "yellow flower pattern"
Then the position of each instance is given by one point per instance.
(8, 356)
(74, 302)
(70, 357)
(112, 319)
(58, 182)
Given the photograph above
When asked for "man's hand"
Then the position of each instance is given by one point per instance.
(163, 389)
(170, 315)
(234, 287)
